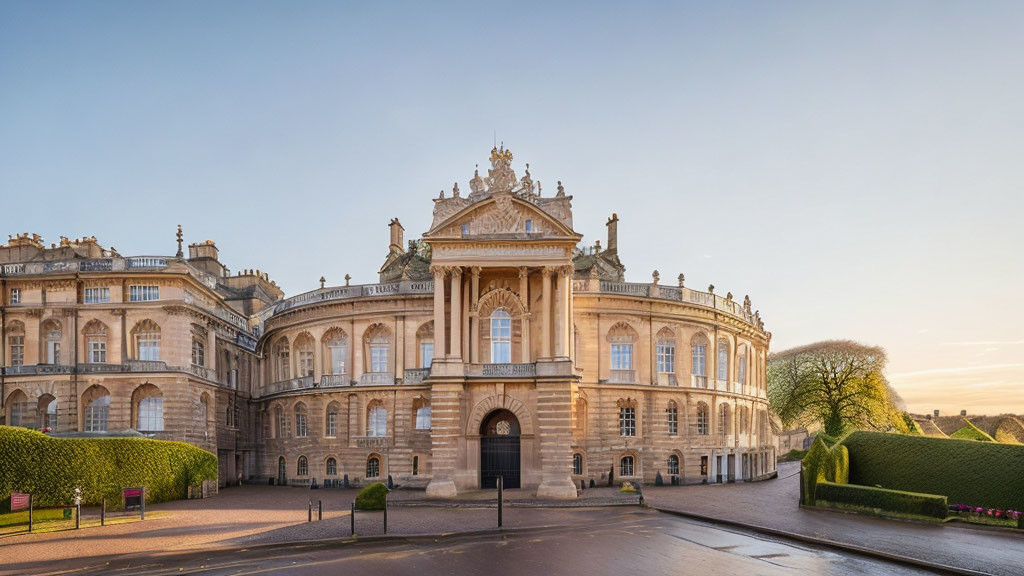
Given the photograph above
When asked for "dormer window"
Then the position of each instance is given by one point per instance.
(529, 226)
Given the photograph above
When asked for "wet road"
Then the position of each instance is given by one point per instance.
(630, 542)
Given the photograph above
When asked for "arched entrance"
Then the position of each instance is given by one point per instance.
(282, 476)
(499, 450)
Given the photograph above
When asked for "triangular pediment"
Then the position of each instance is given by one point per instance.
(506, 216)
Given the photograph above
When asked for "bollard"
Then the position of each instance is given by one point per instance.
(310, 511)
(103, 512)
(143, 507)
(802, 484)
(352, 517)
(501, 487)
(78, 516)
(29, 512)
(319, 510)
(385, 513)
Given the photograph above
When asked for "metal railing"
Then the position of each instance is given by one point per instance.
(377, 378)
(334, 380)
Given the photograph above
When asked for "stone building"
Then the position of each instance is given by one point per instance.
(492, 346)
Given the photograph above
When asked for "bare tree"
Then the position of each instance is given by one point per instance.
(839, 383)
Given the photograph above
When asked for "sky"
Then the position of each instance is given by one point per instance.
(854, 167)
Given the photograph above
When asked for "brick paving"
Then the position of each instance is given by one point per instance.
(773, 505)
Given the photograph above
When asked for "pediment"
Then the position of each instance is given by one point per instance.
(504, 216)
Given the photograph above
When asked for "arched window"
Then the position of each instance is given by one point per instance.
(626, 466)
(281, 471)
(377, 420)
(378, 346)
(304, 353)
(97, 409)
(741, 365)
(146, 339)
(282, 356)
(425, 336)
(724, 426)
(51, 345)
(673, 465)
(148, 403)
(337, 351)
(16, 343)
(666, 351)
(577, 464)
(699, 365)
(48, 411)
(331, 422)
(501, 337)
(702, 419)
(19, 410)
(423, 417)
(301, 429)
(621, 338)
(95, 342)
(723, 360)
(302, 468)
(672, 413)
(373, 467)
(332, 467)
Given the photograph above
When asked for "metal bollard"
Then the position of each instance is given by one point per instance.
(103, 512)
(310, 519)
(501, 488)
(352, 517)
(385, 513)
(319, 510)
(78, 516)
(29, 512)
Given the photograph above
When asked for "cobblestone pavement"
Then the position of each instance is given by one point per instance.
(773, 504)
(628, 540)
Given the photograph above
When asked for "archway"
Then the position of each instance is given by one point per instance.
(499, 450)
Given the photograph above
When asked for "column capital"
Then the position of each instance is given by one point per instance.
(455, 271)
(438, 270)
(475, 271)
(524, 271)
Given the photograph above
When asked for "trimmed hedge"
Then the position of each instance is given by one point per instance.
(51, 468)
(824, 464)
(851, 495)
(984, 474)
(971, 432)
(373, 497)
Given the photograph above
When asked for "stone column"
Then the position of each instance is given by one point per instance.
(439, 343)
(474, 316)
(524, 295)
(545, 327)
(562, 313)
(350, 362)
(554, 425)
(455, 346)
(465, 321)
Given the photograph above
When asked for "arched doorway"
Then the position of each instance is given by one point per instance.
(281, 472)
(499, 450)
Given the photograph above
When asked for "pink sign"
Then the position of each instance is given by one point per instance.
(19, 501)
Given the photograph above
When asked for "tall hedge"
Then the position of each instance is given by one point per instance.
(824, 464)
(871, 498)
(984, 474)
(51, 468)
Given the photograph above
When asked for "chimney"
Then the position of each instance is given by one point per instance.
(397, 236)
(613, 234)
(936, 413)
(963, 412)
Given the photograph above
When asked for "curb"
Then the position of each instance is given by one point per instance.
(905, 560)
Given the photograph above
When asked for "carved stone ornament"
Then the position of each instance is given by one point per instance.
(501, 218)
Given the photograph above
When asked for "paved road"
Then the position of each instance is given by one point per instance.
(773, 505)
(628, 541)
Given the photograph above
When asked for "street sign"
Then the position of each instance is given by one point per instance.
(19, 501)
(132, 497)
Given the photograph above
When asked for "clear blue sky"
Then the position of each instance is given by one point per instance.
(855, 168)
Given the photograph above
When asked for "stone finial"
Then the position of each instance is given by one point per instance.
(561, 189)
(322, 281)
(455, 190)
(728, 296)
(179, 253)
(655, 276)
(476, 185)
(441, 195)
(746, 303)
(347, 279)
(682, 280)
(711, 288)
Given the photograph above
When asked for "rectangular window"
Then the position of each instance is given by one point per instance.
(332, 424)
(53, 351)
(97, 295)
(427, 353)
(379, 358)
(17, 350)
(19, 413)
(305, 362)
(666, 358)
(742, 370)
(673, 420)
(143, 293)
(338, 356)
(627, 422)
(378, 422)
(151, 414)
(96, 417)
(300, 426)
(700, 360)
(723, 361)
(15, 296)
(622, 356)
(198, 353)
(97, 351)
(423, 418)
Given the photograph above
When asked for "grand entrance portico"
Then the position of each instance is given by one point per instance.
(501, 259)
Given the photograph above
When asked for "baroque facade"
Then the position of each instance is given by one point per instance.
(493, 346)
